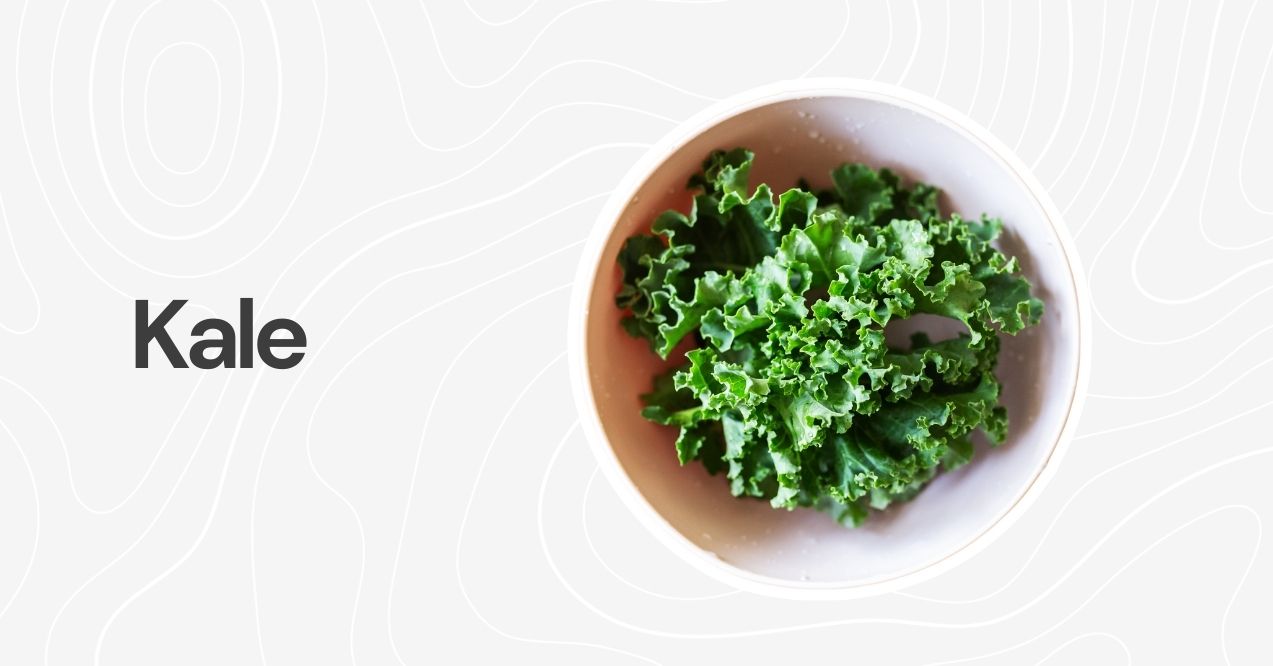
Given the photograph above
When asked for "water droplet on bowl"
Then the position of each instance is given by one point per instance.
(813, 134)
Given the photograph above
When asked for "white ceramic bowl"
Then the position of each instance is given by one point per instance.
(804, 129)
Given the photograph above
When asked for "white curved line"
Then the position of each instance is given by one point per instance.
(17, 261)
(592, 547)
(35, 538)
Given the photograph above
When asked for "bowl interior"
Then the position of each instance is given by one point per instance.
(807, 137)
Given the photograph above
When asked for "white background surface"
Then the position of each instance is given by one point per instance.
(412, 183)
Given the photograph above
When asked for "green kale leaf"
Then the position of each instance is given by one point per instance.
(790, 388)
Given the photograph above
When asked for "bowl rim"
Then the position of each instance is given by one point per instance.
(589, 264)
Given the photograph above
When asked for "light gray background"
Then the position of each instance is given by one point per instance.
(413, 183)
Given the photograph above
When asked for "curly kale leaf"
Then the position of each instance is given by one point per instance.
(791, 390)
